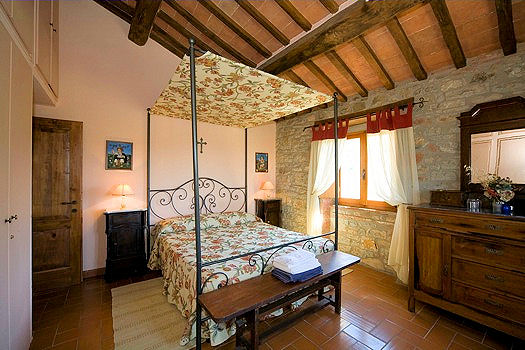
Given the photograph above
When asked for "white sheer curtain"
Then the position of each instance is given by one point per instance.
(320, 178)
(392, 158)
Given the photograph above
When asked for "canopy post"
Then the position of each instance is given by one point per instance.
(148, 180)
(198, 281)
(336, 173)
(245, 170)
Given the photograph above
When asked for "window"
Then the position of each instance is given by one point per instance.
(360, 173)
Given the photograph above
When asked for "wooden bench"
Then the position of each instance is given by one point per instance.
(263, 294)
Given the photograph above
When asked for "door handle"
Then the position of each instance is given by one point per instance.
(363, 174)
(11, 218)
(68, 203)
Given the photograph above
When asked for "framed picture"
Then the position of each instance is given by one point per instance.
(119, 155)
(261, 162)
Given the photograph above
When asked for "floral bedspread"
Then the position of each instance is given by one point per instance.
(222, 235)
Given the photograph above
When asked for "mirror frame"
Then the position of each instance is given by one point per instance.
(487, 117)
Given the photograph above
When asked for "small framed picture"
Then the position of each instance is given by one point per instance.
(119, 155)
(261, 162)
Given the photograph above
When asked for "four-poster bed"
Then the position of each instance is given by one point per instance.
(204, 251)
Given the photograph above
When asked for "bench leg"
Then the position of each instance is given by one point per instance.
(253, 324)
(320, 294)
(337, 285)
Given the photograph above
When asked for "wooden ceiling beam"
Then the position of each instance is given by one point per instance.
(399, 35)
(210, 34)
(319, 74)
(330, 5)
(345, 25)
(294, 14)
(125, 12)
(263, 21)
(142, 21)
(183, 31)
(507, 37)
(236, 28)
(295, 78)
(346, 72)
(374, 62)
(440, 9)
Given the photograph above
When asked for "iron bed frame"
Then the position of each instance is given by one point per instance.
(207, 203)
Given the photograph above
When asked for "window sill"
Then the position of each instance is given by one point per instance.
(369, 208)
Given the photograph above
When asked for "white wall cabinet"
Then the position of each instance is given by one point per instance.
(16, 105)
(47, 42)
(33, 26)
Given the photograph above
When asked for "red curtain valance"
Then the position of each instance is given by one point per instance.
(326, 131)
(389, 119)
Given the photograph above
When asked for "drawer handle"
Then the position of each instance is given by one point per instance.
(491, 277)
(436, 220)
(493, 303)
(493, 251)
(445, 270)
(493, 227)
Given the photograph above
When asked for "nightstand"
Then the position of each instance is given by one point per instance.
(269, 210)
(126, 249)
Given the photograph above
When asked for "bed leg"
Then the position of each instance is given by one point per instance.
(253, 323)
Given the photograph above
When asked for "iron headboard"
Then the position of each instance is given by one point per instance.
(215, 197)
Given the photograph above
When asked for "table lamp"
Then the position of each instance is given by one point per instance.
(123, 190)
(267, 187)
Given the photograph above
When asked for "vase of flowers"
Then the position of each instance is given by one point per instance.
(500, 190)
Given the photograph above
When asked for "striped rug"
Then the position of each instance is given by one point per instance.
(143, 318)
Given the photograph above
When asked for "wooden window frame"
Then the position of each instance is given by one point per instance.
(363, 202)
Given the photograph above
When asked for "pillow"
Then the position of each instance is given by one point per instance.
(214, 220)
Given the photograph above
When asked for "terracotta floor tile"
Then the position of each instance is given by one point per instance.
(284, 338)
(357, 320)
(498, 340)
(459, 326)
(409, 325)
(441, 336)
(304, 344)
(89, 343)
(359, 346)
(364, 337)
(469, 343)
(313, 334)
(386, 330)
(333, 327)
(398, 343)
(43, 339)
(340, 341)
(418, 341)
(70, 345)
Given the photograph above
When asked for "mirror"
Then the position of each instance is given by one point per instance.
(493, 141)
(498, 152)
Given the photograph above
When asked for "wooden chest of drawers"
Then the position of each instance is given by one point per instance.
(269, 210)
(471, 264)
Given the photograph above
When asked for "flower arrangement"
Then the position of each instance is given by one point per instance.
(495, 187)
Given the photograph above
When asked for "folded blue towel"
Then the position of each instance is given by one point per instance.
(298, 277)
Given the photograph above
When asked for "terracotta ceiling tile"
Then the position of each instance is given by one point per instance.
(358, 65)
(418, 20)
(228, 6)
(463, 11)
(275, 14)
(335, 76)
(172, 32)
(314, 83)
(314, 11)
(437, 61)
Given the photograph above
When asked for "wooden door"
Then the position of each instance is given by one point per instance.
(57, 203)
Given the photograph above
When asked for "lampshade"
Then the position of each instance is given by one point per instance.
(267, 186)
(123, 190)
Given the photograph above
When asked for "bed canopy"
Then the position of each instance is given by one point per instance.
(233, 94)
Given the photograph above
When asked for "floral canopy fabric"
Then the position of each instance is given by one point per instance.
(232, 94)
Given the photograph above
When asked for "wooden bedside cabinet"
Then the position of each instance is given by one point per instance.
(126, 249)
(269, 210)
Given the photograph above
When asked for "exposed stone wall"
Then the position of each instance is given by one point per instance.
(450, 92)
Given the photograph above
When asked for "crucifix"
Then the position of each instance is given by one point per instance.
(201, 143)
